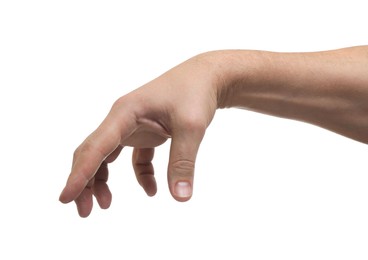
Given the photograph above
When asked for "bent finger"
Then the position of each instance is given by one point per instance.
(100, 188)
(183, 152)
(143, 168)
(84, 203)
(93, 151)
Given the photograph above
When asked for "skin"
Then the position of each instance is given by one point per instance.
(328, 89)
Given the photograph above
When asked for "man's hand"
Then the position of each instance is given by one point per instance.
(179, 105)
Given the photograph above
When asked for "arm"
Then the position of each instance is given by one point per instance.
(329, 89)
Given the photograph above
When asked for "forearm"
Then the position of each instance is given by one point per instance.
(328, 89)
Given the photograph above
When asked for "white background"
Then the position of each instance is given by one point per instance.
(265, 188)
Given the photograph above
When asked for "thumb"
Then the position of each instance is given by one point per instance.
(183, 152)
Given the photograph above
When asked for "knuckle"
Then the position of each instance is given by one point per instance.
(91, 147)
(118, 102)
(194, 124)
(183, 167)
(76, 152)
(123, 103)
(86, 147)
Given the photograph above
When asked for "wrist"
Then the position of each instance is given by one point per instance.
(234, 73)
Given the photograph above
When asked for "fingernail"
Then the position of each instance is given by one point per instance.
(183, 189)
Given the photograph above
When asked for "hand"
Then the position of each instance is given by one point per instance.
(323, 88)
(180, 105)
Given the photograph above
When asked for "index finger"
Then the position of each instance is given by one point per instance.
(93, 151)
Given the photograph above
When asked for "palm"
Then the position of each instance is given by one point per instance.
(146, 137)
